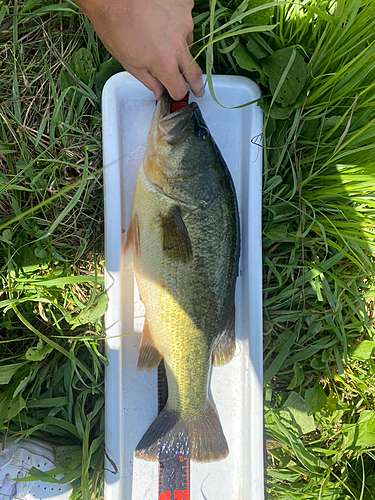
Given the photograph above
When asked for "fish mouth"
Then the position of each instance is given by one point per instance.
(173, 127)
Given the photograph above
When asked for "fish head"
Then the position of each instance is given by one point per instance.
(179, 146)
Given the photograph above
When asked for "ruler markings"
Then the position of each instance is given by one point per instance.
(174, 472)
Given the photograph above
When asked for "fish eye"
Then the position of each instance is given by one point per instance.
(201, 132)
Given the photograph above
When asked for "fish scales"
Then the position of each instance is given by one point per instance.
(185, 233)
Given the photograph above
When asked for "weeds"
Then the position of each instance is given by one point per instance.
(315, 64)
(51, 246)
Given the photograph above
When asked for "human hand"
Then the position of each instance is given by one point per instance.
(151, 39)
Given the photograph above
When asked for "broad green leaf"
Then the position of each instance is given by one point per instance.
(48, 402)
(39, 475)
(9, 408)
(295, 416)
(309, 129)
(39, 352)
(69, 456)
(276, 232)
(63, 424)
(257, 49)
(7, 372)
(364, 350)
(298, 377)
(106, 70)
(332, 402)
(315, 399)
(40, 253)
(66, 8)
(27, 259)
(71, 476)
(362, 434)
(244, 60)
(7, 235)
(317, 363)
(65, 82)
(280, 358)
(30, 4)
(275, 111)
(82, 64)
(256, 18)
(96, 311)
(274, 67)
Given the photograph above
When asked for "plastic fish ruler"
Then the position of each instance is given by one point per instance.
(236, 388)
(174, 473)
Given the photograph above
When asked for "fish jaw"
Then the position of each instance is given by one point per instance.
(166, 141)
(166, 126)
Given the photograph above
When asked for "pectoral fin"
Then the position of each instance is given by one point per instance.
(149, 357)
(175, 237)
(225, 344)
(133, 237)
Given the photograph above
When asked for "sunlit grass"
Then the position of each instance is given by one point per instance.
(51, 240)
(319, 214)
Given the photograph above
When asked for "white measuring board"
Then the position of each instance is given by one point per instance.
(131, 395)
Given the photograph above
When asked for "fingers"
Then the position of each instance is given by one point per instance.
(172, 74)
(148, 81)
(174, 82)
(190, 39)
(191, 73)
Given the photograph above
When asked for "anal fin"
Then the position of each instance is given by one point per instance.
(225, 345)
(149, 357)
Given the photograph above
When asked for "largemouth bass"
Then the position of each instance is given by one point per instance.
(185, 234)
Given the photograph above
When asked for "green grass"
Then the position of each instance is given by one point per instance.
(315, 64)
(51, 237)
(316, 69)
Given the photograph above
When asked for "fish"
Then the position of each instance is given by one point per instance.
(185, 235)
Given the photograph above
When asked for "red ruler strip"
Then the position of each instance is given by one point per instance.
(174, 472)
(176, 105)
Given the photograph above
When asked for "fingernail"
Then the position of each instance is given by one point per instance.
(201, 92)
(158, 94)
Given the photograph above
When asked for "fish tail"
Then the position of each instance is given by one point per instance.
(200, 437)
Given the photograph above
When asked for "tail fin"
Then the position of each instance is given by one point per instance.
(200, 436)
